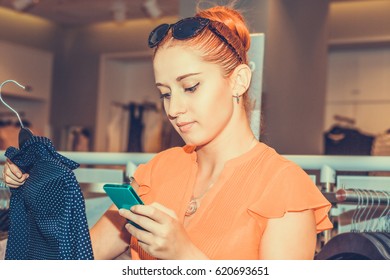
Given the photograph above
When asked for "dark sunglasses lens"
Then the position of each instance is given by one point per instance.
(188, 28)
(158, 34)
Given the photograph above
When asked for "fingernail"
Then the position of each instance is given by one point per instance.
(121, 211)
(19, 174)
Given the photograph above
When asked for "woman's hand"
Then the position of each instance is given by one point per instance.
(12, 175)
(164, 236)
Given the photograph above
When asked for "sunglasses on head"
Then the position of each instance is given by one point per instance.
(185, 29)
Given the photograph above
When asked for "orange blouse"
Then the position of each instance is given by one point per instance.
(252, 188)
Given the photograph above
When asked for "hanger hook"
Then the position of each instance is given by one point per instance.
(368, 218)
(363, 216)
(383, 212)
(355, 213)
(363, 209)
(373, 224)
(9, 107)
(387, 217)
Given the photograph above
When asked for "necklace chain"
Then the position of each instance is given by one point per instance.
(193, 205)
(203, 194)
(194, 202)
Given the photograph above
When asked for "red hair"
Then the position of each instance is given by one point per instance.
(210, 47)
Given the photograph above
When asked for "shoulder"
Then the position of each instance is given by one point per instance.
(167, 166)
(264, 171)
(272, 176)
(166, 163)
(269, 161)
(173, 155)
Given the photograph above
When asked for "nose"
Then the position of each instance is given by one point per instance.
(175, 106)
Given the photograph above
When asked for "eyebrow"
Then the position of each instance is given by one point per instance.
(185, 76)
(178, 79)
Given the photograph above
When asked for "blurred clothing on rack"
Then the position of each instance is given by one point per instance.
(347, 141)
(134, 141)
(357, 246)
(78, 139)
(152, 131)
(142, 126)
(381, 147)
(117, 130)
(170, 137)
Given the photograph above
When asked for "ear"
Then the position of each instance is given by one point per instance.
(241, 79)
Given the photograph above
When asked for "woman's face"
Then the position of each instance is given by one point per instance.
(197, 98)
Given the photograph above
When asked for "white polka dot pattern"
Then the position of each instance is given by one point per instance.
(47, 213)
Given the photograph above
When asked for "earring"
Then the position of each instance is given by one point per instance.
(237, 97)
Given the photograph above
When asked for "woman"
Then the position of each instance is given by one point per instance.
(224, 195)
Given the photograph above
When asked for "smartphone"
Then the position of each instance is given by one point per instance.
(123, 196)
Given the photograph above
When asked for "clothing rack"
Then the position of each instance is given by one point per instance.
(358, 196)
(327, 164)
(362, 196)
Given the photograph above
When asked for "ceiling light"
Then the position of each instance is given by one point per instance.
(152, 8)
(119, 11)
(23, 5)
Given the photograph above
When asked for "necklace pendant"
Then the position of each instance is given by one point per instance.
(192, 207)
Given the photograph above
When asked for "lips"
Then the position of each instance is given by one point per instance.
(184, 126)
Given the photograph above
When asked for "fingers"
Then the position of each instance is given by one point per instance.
(149, 217)
(152, 238)
(163, 209)
(155, 211)
(143, 236)
(163, 237)
(12, 175)
(13, 168)
(145, 222)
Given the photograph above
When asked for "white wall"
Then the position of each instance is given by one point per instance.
(122, 80)
(359, 22)
(32, 67)
(358, 87)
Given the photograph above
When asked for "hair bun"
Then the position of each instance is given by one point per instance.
(232, 18)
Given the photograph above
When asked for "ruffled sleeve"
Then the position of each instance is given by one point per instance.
(159, 170)
(151, 177)
(292, 190)
(143, 177)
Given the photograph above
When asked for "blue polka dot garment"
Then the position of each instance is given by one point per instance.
(47, 219)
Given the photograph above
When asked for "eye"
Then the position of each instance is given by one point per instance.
(192, 89)
(165, 96)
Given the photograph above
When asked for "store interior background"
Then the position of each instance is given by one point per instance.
(322, 58)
